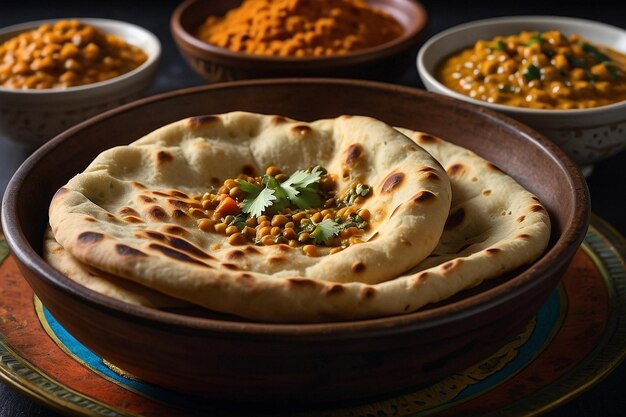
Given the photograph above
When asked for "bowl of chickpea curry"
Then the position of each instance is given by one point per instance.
(56, 73)
(226, 40)
(565, 77)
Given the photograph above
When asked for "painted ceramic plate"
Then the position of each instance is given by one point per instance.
(576, 338)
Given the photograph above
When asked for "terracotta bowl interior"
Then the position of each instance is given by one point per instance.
(192, 13)
(536, 163)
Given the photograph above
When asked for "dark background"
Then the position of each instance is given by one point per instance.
(608, 398)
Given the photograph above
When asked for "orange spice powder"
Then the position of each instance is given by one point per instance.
(300, 27)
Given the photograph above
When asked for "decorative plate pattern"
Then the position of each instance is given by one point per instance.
(576, 338)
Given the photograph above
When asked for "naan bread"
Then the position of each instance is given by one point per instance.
(127, 214)
(103, 283)
(495, 226)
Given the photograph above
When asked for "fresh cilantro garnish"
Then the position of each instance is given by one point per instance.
(593, 52)
(576, 62)
(532, 73)
(611, 68)
(360, 190)
(500, 45)
(536, 38)
(239, 221)
(325, 230)
(257, 204)
(301, 190)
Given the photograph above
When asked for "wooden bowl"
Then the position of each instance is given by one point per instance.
(258, 362)
(384, 62)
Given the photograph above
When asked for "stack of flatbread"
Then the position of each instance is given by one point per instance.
(443, 220)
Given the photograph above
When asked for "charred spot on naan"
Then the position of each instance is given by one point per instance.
(493, 168)
(177, 255)
(492, 251)
(157, 213)
(301, 282)
(335, 289)
(358, 267)
(163, 157)
(423, 197)
(128, 251)
(450, 266)
(230, 266)
(273, 260)
(367, 293)
(202, 121)
(87, 238)
(278, 120)
(301, 130)
(354, 154)
(425, 138)
(132, 219)
(234, 254)
(456, 170)
(392, 181)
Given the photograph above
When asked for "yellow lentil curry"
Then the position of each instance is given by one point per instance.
(64, 54)
(302, 210)
(300, 27)
(546, 70)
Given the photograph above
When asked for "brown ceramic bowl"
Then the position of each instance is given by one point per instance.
(230, 359)
(384, 62)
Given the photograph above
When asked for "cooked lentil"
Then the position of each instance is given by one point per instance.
(66, 53)
(294, 227)
(546, 70)
(300, 27)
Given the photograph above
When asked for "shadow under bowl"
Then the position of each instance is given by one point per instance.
(231, 359)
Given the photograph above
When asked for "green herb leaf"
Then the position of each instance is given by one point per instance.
(535, 39)
(301, 179)
(532, 73)
(249, 188)
(575, 61)
(611, 68)
(307, 198)
(239, 221)
(500, 46)
(594, 53)
(325, 230)
(256, 205)
(300, 190)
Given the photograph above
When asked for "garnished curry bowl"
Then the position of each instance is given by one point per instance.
(228, 358)
(33, 111)
(385, 61)
(587, 134)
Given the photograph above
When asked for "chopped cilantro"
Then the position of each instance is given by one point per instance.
(256, 205)
(594, 53)
(301, 190)
(500, 46)
(532, 73)
(536, 38)
(325, 230)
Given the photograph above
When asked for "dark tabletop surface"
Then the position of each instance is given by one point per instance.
(606, 184)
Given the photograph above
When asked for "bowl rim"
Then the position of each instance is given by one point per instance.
(152, 58)
(560, 252)
(416, 29)
(429, 78)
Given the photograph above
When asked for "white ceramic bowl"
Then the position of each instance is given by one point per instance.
(35, 116)
(586, 135)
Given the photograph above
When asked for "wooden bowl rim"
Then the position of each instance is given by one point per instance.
(550, 263)
(411, 35)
